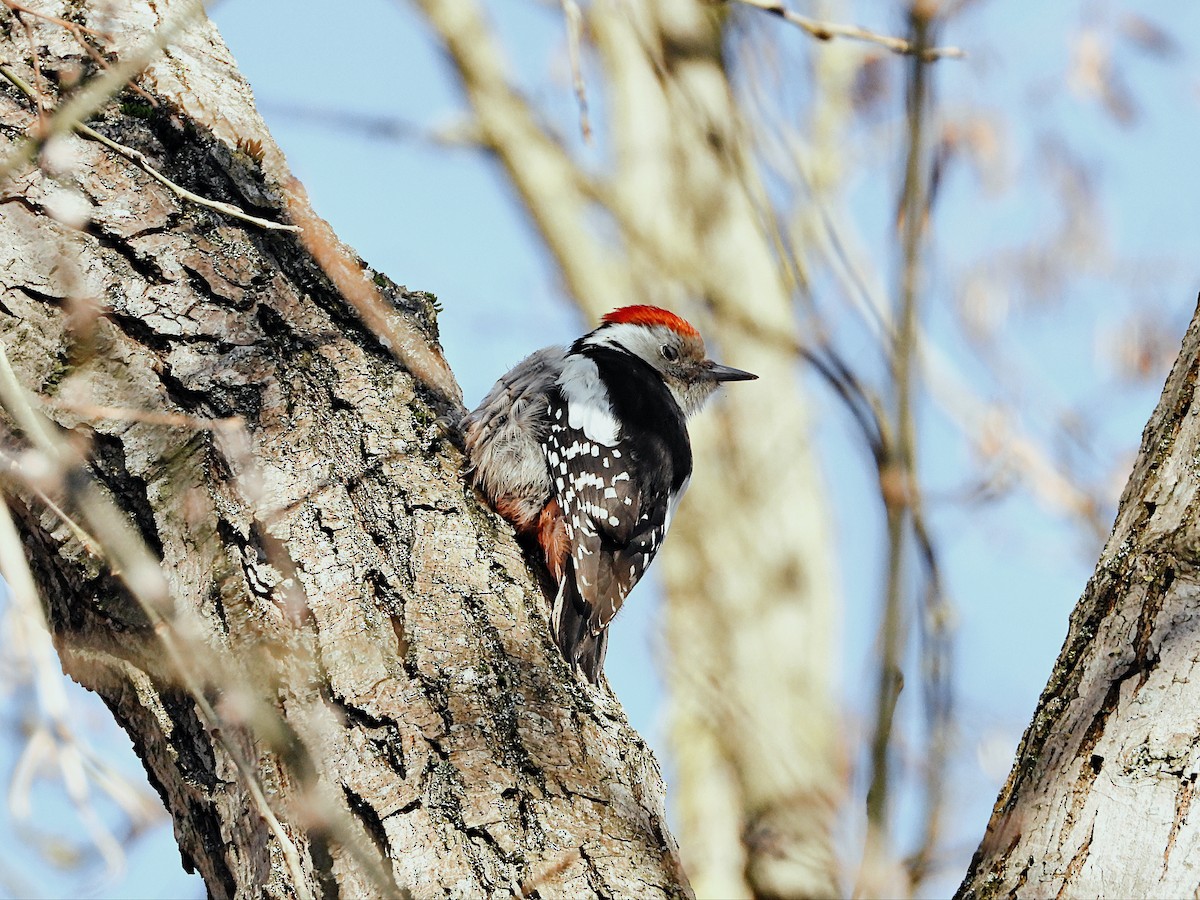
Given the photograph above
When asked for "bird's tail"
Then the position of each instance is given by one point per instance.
(569, 623)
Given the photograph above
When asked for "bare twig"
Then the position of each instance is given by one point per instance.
(80, 33)
(95, 93)
(936, 657)
(454, 134)
(125, 414)
(574, 19)
(825, 31)
(53, 740)
(131, 561)
(220, 206)
(980, 419)
(138, 157)
(898, 475)
(39, 97)
(53, 20)
(17, 470)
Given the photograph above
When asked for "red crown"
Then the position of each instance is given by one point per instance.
(650, 315)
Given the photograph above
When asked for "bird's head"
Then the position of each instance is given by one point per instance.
(672, 347)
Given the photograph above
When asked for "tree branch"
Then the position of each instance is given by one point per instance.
(825, 31)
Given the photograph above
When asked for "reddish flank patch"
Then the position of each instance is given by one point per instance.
(649, 315)
(552, 535)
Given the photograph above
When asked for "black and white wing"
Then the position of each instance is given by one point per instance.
(614, 528)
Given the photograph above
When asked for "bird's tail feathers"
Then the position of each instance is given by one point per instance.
(569, 624)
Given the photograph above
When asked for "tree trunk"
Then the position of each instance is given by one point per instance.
(1099, 800)
(342, 659)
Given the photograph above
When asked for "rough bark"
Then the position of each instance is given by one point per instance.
(354, 629)
(1099, 801)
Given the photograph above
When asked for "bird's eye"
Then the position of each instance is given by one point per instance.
(669, 352)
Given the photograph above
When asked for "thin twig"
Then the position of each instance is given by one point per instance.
(79, 32)
(125, 414)
(219, 205)
(936, 641)
(54, 20)
(975, 416)
(462, 134)
(92, 95)
(133, 564)
(36, 428)
(574, 19)
(898, 478)
(825, 31)
(96, 92)
(39, 96)
(939, 700)
(14, 469)
(53, 739)
(545, 177)
(138, 157)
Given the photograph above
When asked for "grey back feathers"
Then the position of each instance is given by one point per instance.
(504, 436)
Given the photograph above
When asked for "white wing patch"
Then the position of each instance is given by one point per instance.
(588, 409)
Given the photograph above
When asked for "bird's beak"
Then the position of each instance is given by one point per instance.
(715, 372)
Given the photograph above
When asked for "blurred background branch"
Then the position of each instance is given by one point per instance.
(825, 31)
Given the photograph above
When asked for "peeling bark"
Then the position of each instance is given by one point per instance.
(325, 561)
(1098, 800)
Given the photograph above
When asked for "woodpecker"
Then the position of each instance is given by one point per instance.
(586, 451)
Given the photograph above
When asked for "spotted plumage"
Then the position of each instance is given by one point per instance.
(586, 450)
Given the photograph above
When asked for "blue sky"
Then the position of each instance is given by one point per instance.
(443, 220)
